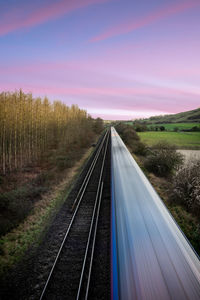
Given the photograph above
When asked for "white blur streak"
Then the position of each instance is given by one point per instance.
(155, 259)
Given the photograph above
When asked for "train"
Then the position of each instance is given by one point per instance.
(150, 256)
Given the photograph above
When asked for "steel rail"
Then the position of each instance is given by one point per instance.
(88, 243)
(83, 188)
(93, 244)
(98, 197)
(90, 170)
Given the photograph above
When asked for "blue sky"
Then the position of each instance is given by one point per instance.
(115, 58)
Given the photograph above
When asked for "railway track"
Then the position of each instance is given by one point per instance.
(71, 275)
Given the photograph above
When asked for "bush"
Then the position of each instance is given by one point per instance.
(66, 161)
(162, 128)
(196, 238)
(139, 148)
(98, 125)
(19, 207)
(127, 133)
(86, 139)
(131, 138)
(120, 127)
(195, 128)
(163, 159)
(16, 205)
(5, 225)
(43, 178)
(186, 187)
(140, 127)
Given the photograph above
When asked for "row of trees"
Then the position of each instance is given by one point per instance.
(29, 127)
(139, 127)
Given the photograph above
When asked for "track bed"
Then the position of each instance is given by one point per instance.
(27, 281)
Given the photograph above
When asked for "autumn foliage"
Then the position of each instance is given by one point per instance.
(30, 127)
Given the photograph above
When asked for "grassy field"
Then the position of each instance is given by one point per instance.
(187, 116)
(171, 126)
(180, 126)
(183, 140)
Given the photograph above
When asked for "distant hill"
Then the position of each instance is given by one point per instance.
(187, 116)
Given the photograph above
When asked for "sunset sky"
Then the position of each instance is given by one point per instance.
(119, 59)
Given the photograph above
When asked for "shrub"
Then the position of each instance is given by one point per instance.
(16, 205)
(98, 125)
(86, 139)
(127, 133)
(186, 187)
(19, 207)
(43, 179)
(196, 238)
(163, 160)
(64, 162)
(140, 127)
(120, 127)
(195, 128)
(5, 226)
(131, 138)
(162, 128)
(139, 148)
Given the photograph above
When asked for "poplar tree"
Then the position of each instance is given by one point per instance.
(29, 127)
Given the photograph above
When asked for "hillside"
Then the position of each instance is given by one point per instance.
(187, 116)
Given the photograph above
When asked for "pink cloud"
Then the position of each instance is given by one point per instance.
(100, 92)
(40, 15)
(146, 20)
(91, 78)
(115, 101)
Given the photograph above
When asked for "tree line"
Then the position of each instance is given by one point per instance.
(30, 126)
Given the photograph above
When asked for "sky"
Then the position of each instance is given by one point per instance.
(118, 59)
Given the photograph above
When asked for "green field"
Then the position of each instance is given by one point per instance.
(170, 126)
(187, 116)
(183, 140)
(180, 126)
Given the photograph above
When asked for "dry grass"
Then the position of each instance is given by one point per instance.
(14, 244)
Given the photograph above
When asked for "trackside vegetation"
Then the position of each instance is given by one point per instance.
(31, 231)
(186, 187)
(177, 184)
(39, 140)
(29, 127)
(131, 138)
(163, 159)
